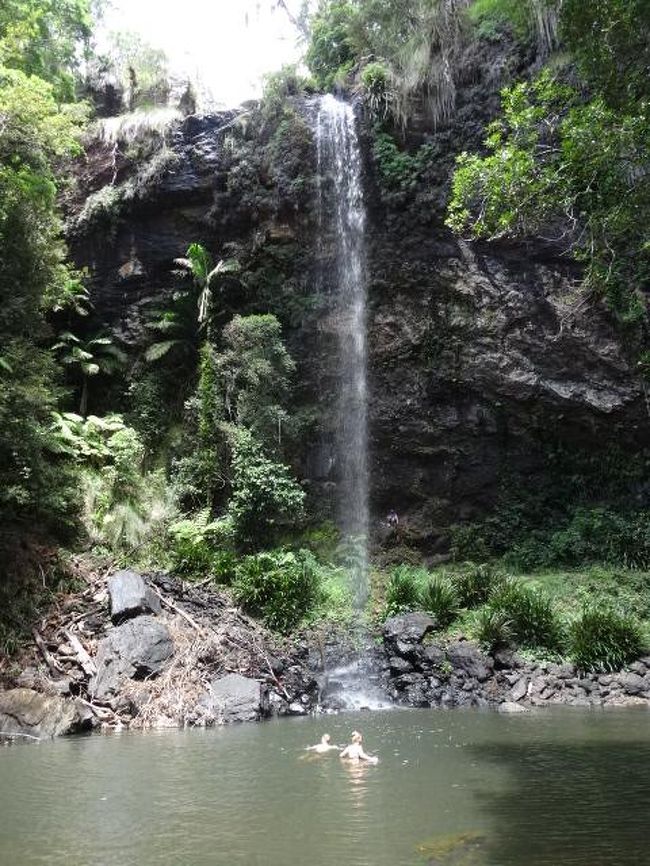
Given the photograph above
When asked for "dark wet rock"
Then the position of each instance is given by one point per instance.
(432, 656)
(632, 684)
(130, 596)
(134, 650)
(408, 629)
(519, 690)
(399, 665)
(26, 712)
(234, 698)
(465, 657)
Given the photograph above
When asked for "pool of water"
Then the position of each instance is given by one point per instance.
(554, 788)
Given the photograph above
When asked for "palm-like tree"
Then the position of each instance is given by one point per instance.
(90, 357)
(199, 263)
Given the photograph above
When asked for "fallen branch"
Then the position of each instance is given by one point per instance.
(51, 662)
(179, 610)
(87, 664)
(28, 736)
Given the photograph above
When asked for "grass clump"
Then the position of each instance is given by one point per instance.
(439, 599)
(403, 591)
(475, 583)
(603, 639)
(493, 628)
(530, 613)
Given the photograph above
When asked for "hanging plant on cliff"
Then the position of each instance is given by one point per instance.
(199, 263)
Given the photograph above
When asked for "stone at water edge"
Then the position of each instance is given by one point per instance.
(408, 628)
(466, 657)
(136, 649)
(24, 711)
(130, 596)
(234, 698)
(511, 707)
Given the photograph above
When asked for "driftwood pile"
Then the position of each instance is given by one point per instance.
(211, 638)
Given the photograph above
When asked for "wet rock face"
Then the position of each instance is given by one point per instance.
(130, 596)
(137, 649)
(429, 671)
(235, 698)
(480, 356)
(29, 713)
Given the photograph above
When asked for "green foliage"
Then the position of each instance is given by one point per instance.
(89, 358)
(403, 591)
(376, 88)
(332, 49)
(36, 133)
(493, 628)
(254, 373)
(398, 170)
(264, 494)
(438, 597)
(280, 586)
(609, 40)
(474, 584)
(280, 86)
(603, 639)
(290, 153)
(532, 619)
(200, 546)
(41, 38)
(492, 17)
(561, 166)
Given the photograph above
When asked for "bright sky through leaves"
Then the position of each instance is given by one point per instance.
(228, 44)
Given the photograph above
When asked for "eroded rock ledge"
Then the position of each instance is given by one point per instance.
(422, 671)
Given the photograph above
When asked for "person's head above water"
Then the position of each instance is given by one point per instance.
(356, 737)
(325, 739)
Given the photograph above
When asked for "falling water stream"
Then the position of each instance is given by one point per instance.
(342, 224)
(342, 220)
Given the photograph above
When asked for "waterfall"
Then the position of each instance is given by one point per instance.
(342, 220)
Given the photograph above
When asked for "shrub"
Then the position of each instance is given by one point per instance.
(533, 620)
(493, 628)
(264, 493)
(475, 584)
(440, 600)
(604, 640)
(403, 590)
(376, 84)
(280, 586)
(197, 545)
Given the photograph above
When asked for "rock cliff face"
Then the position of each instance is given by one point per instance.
(482, 358)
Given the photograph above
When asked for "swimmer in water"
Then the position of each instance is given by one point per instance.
(323, 746)
(355, 753)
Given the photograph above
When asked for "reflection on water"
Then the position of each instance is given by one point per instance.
(451, 789)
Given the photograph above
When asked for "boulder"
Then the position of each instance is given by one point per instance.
(432, 656)
(632, 684)
(130, 596)
(466, 657)
(134, 650)
(26, 713)
(408, 628)
(519, 690)
(235, 698)
(511, 707)
(399, 665)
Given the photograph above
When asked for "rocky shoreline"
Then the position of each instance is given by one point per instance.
(146, 652)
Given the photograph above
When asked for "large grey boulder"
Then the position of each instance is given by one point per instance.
(408, 628)
(130, 596)
(134, 650)
(465, 657)
(26, 713)
(234, 698)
